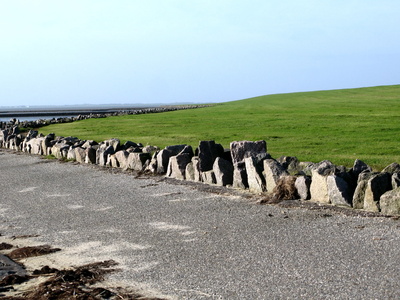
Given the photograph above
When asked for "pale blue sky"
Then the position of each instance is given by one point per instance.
(163, 51)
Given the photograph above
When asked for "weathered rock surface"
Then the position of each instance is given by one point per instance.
(243, 149)
(319, 186)
(240, 176)
(208, 177)
(164, 155)
(177, 165)
(255, 179)
(390, 202)
(338, 191)
(273, 170)
(223, 171)
(208, 152)
(302, 185)
(376, 187)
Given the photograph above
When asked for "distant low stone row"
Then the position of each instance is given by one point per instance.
(44, 122)
(246, 165)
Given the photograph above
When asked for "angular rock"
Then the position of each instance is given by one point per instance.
(150, 149)
(90, 155)
(376, 187)
(242, 149)
(177, 166)
(223, 171)
(102, 154)
(240, 176)
(395, 180)
(164, 155)
(319, 187)
(392, 168)
(121, 158)
(152, 166)
(80, 154)
(302, 185)
(255, 179)
(359, 167)
(137, 161)
(208, 152)
(390, 202)
(272, 172)
(359, 194)
(290, 164)
(208, 177)
(338, 191)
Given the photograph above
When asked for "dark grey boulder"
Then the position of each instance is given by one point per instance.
(242, 149)
(359, 167)
(208, 151)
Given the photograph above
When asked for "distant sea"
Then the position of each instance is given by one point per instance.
(31, 113)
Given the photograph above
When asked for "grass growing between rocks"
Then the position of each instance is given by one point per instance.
(339, 125)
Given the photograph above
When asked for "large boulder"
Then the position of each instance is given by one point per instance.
(302, 185)
(390, 202)
(273, 170)
(240, 176)
(338, 191)
(137, 160)
(359, 167)
(319, 186)
(164, 155)
(359, 194)
(395, 180)
(177, 165)
(208, 177)
(223, 171)
(376, 187)
(392, 168)
(243, 149)
(255, 179)
(208, 151)
(192, 170)
(102, 154)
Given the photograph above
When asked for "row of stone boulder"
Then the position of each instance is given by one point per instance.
(44, 122)
(245, 165)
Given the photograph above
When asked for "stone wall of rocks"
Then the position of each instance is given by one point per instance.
(45, 122)
(246, 165)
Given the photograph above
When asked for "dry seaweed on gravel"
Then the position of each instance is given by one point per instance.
(75, 284)
(5, 246)
(26, 252)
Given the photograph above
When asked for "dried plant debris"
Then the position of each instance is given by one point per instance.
(26, 252)
(76, 283)
(5, 246)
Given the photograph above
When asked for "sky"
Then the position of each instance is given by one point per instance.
(192, 51)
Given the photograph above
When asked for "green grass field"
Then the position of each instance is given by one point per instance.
(338, 125)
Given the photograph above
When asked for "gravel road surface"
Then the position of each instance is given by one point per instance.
(184, 241)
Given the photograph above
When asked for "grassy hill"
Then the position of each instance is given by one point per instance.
(339, 125)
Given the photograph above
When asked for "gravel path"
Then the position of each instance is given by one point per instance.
(189, 241)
